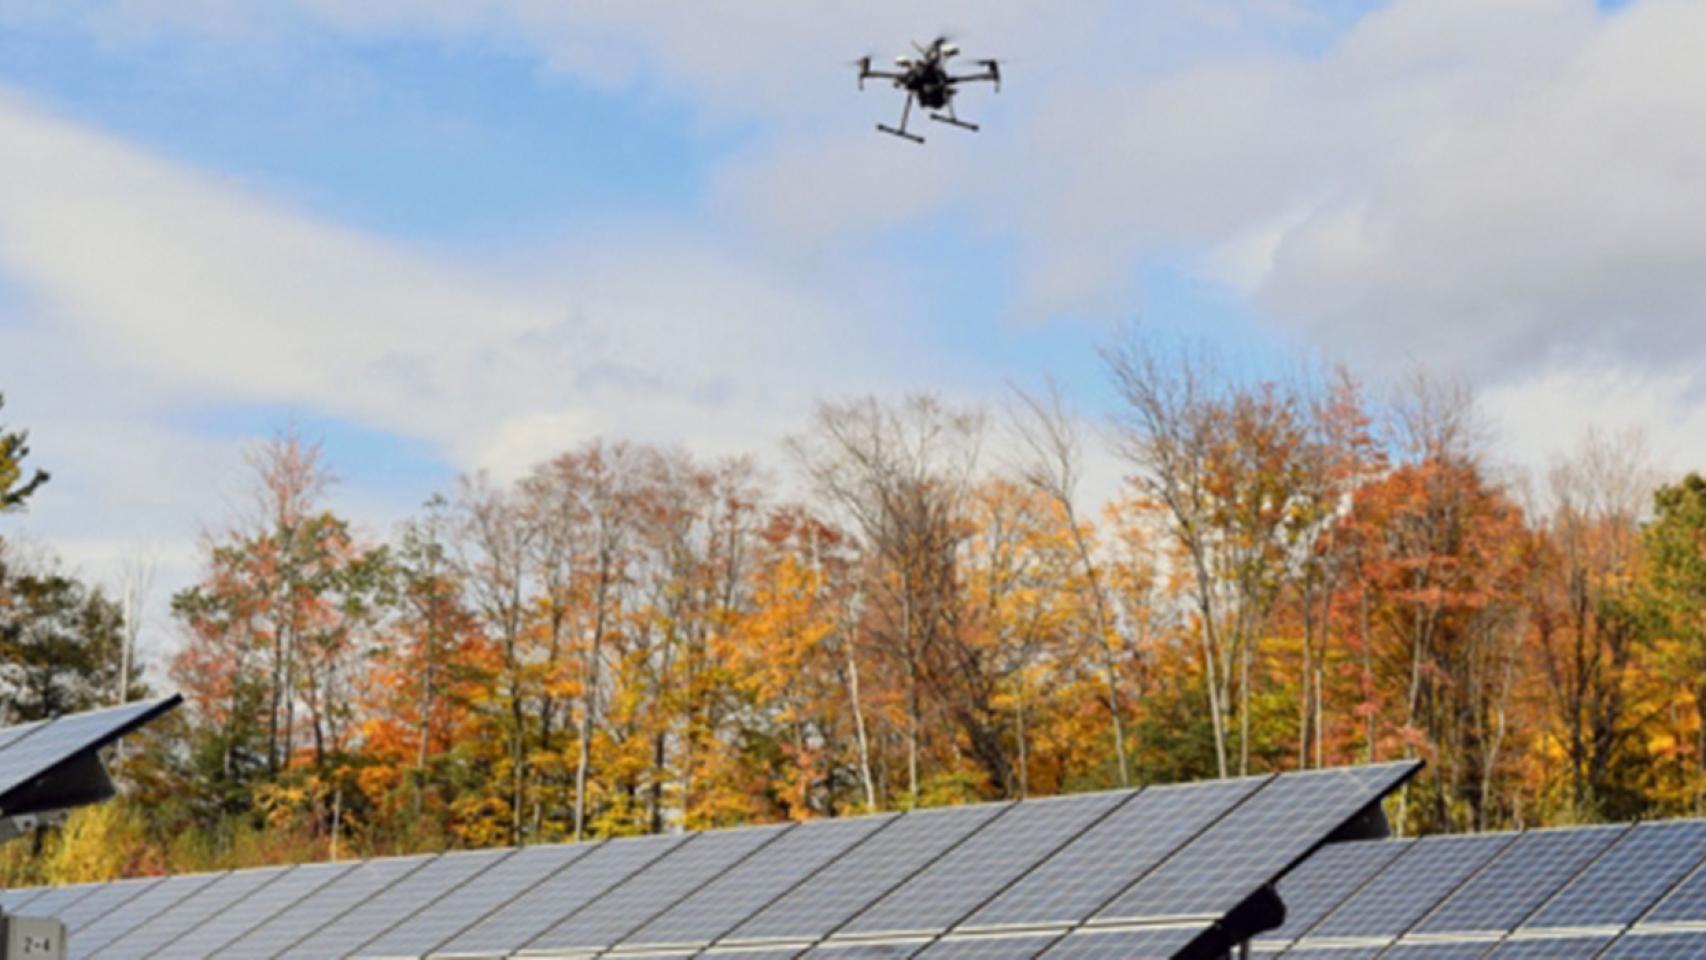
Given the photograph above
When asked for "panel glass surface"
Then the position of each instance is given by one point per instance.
(379, 913)
(327, 903)
(1071, 885)
(524, 917)
(879, 950)
(1255, 842)
(1333, 953)
(1560, 948)
(865, 873)
(64, 738)
(1410, 886)
(752, 953)
(54, 901)
(989, 948)
(1156, 943)
(635, 897)
(1518, 880)
(156, 900)
(1007, 848)
(211, 900)
(505, 883)
(104, 899)
(1326, 879)
(722, 904)
(1658, 946)
(11, 735)
(12, 899)
(227, 925)
(1449, 950)
(1629, 877)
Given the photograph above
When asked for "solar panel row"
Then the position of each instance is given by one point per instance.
(31, 750)
(992, 880)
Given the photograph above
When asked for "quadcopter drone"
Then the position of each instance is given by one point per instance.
(925, 78)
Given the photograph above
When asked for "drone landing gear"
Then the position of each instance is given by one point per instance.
(901, 130)
(953, 119)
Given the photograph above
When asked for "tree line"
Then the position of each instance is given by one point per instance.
(921, 609)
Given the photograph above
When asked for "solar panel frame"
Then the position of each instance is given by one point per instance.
(744, 889)
(864, 874)
(983, 865)
(154, 933)
(1112, 854)
(632, 900)
(331, 900)
(1415, 881)
(440, 923)
(418, 891)
(1508, 889)
(1255, 843)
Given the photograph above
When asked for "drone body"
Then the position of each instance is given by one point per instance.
(927, 79)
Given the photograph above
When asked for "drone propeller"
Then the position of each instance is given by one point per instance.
(994, 68)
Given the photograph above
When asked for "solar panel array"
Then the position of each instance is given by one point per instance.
(1062, 878)
(30, 751)
(1585, 892)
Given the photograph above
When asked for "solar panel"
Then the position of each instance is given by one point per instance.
(12, 734)
(504, 883)
(990, 859)
(326, 903)
(1316, 952)
(1323, 881)
(863, 874)
(1409, 887)
(160, 897)
(525, 915)
(1142, 943)
(227, 925)
(658, 884)
(722, 904)
(11, 900)
(190, 912)
(752, 953)
(105, 898)
(379, 913)
(1519, 879)
(56, 900)
(1256, 842)
(1689, 945)
(1109, 856)
(1553, 948)
(64, 738)
(1684, 904)
(900, 949)
(1629, 877)
(990, 947)
(1440, 950)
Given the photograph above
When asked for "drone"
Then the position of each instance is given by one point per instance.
(926, 78)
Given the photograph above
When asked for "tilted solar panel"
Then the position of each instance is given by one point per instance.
(220, 929)
(1535, 866)
(641, 894)
(116, 923)
(390, 907)
(64, 738)
(900, 949)
(1555, 948)
(1316, 952)
(1142, 943)
(1328, 878)
(54, 901)
(720, 905)
(864, 874)
(989, 947)
(325, 904)
(210, 901)
(1255, 843)
(1679, 945)
(105, 898)
(1071, 885)
(16, 897)
(504, 885)
(12, 734)
(1005, 849)
(1444, 950)
(1410, 886)
(1628, 878)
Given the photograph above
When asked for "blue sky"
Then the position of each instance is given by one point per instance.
(453, 235)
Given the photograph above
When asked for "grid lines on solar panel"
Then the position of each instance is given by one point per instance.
(1110, 855)
(157, 899)
(315, 910)
(1443, 950)
(103, 900)
(869, 950)
(752, 953)
(1555, 948)
(64, 738)
(862, 875)
(713, 909)
(1335, 953)
(55, 901)
(237, 920)
(990, 859)
(379, 913)
(637, 896)
(1629, 877)
(1255, 842)
(1411, 885)
(1658, 946)
(1145, 943)
(505, 883)
(989, 947)
(1685, 902)
(1535, 866)
(13, 734)
(1323, 881)
(11, 900)
(214, 898)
